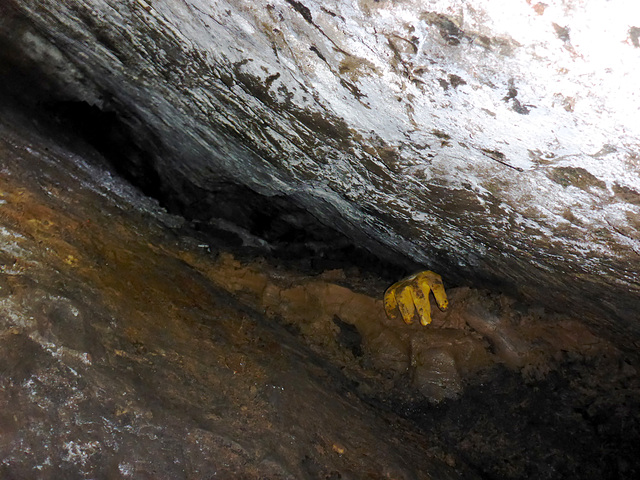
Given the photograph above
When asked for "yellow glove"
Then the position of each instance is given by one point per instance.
(411, 296)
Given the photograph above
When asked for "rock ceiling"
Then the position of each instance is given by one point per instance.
(496, 142)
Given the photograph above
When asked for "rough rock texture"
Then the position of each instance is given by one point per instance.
(495, 142)
(489, 140)
(119, 360)
(129, 349)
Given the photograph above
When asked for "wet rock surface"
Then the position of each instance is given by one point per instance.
(119, 360)
(496, 142)
(131, 349)
(292, 160)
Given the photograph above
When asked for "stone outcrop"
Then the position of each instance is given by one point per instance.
(489, 141)
(202, 203)
(119, 360)
(130, 349)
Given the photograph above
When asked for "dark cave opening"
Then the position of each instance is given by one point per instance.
(226, 214)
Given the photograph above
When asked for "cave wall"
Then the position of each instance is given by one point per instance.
(493, 141)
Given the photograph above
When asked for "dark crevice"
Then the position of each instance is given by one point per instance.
(226, 214)
(302, 10)
(109, 135)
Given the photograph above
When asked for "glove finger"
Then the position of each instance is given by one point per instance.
(406, 304)
(421, 300)
(391, 303)
(434, 282)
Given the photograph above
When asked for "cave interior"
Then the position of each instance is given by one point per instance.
(153, 326)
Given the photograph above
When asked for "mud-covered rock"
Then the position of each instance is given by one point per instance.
(120, 360)
(129, 349)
